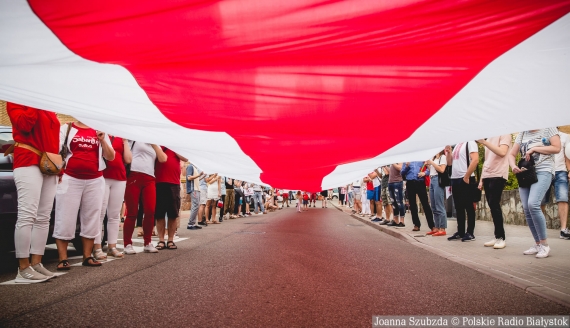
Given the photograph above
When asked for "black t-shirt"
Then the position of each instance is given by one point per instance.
(228, 186)
(324, 193)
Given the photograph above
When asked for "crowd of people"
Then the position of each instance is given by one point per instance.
(103, 174)
(538, 154)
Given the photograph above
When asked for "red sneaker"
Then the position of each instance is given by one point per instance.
(440, 233)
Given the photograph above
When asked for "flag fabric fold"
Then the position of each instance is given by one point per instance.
(296, 94)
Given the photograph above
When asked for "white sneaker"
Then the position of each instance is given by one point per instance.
(29, 276)
(533, 250)
(491, 243)
(543, 252)
(150, 248)
(129, 250)
(500, 244)
(373, 217)
(39, 268)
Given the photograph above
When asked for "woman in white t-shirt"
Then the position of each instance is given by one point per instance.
(214, 194)
(437, 193)
(141, 183)
(541, 145)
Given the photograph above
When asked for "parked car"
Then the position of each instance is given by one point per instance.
(9, 198)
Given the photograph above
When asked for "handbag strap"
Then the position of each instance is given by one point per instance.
(28, 147)
(477, 174)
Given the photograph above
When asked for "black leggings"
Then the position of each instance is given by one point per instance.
(493, 191)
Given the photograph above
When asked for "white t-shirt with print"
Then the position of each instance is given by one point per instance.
(530, 139)
(441, 160)
(560, 158)
(459, 164)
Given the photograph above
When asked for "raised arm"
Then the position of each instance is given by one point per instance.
(108, 151)
(160, 155)
(23, 118)
(127, 153)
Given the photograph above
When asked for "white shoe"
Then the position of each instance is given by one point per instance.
(29, 276)
(533, 250)
(39, 268)
(500, 244)
(543, 252)
(150, 248)
(491, 243)
(372, 217)
(129, 250)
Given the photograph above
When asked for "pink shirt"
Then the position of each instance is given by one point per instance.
(496, 166)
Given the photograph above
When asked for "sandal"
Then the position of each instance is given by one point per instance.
(171, 245)
(160, 245)
(140, 234)
(64, 265)
(115, 253)
(99, 255)
(93, 263)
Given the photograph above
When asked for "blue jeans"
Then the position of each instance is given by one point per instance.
(195, 200)
(437, 200)
(531, 198)
(350, 198)
(258, 201)
(396, 190)
(560, 183)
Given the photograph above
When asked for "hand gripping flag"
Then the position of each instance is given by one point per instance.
(301, 94)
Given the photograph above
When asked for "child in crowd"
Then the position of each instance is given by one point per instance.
(305, 201)
(298, 198)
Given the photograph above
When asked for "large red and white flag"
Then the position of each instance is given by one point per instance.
(300, 93)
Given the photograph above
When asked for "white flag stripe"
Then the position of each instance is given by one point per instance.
(528, 87)
(38, 70)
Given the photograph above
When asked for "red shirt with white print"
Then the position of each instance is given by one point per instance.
(116, 168)
(84, 161)
(169, 171)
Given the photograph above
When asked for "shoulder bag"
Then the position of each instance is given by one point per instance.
(444, 179)
(475, 191)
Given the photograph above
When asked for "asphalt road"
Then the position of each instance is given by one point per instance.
(290, 269)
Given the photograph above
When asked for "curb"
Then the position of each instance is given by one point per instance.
(529, 287)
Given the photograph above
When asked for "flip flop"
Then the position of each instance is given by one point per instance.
(65, 265)
(94, 262)
(171, 245)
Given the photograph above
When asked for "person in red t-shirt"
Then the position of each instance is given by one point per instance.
(167, 196)
(40, 130)
(81, 186)
(313, 199)
(115, 175)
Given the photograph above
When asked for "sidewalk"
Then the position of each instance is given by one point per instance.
(549, 278)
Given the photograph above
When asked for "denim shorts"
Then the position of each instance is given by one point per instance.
(560, 183)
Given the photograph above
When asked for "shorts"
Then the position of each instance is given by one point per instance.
(385, 196)
(357, 194)
(370, 194)
(305, 202)
(560, 183)
(377, 194)
(203, 196)
(167, 200)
